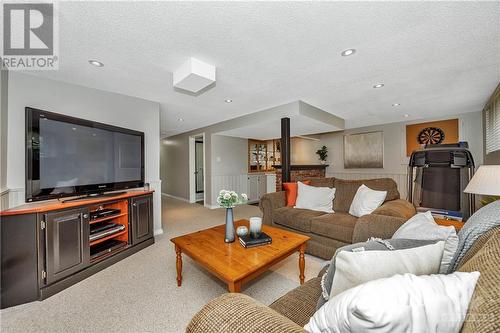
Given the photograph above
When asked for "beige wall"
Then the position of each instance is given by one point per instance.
(82, 102)
(394, 144)
(229, 155)
(174, 167)
(303, 151)
(395, 159)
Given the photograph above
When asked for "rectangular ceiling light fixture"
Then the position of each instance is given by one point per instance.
(194, 75)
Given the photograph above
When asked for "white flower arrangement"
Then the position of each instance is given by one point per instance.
(229, 199)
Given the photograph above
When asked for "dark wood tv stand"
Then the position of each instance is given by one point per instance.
(45, 246)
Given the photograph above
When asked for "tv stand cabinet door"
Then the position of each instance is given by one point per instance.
(141, 218)
(67, 243)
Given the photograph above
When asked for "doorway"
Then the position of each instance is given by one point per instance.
(197, 169)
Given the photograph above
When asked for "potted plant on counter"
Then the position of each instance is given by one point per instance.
(323, 154)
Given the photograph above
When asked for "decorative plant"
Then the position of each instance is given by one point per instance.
(322, 153)
(229, 199)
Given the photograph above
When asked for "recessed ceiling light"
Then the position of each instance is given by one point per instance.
(378, 85)
(406, 115)
(228, 101)
(180, 119)
(348, 52)
(396, 104)
(96, 63)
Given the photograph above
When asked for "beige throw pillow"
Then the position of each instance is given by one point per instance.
(355, 268)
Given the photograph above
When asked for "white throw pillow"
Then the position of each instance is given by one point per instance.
(315, 198)
(355, 268)
(366, 201)
(422, 226)
(401, 303)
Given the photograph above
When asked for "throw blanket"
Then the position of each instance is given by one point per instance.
(478, 224)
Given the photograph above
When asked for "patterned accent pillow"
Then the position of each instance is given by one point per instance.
(371, 245)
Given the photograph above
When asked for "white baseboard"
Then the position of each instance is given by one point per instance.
(211, 206)
(175, 197)
(158, 232)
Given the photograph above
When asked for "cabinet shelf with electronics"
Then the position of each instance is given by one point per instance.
(108, 234)
(47, 247)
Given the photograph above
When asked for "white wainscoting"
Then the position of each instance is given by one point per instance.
(4, 199)
(11, 197)
(237, 183)
(400, 178)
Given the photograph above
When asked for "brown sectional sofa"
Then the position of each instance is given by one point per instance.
(238, 313)
(331, 231)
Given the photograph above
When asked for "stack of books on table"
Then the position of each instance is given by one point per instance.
(442, 213)
(247, 241)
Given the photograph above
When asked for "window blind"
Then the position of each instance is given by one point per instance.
(492, 112)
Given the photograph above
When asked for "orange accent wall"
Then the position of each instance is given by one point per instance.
(449, 127)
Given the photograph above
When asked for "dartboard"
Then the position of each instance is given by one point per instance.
(430, 135)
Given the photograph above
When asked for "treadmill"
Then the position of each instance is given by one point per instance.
(437, 176)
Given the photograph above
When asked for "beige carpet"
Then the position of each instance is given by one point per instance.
(140, 294)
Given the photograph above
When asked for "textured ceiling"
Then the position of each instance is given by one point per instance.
(435, 58)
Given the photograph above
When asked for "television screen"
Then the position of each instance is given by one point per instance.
(71, 156)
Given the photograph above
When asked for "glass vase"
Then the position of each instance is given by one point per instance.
(229, 226)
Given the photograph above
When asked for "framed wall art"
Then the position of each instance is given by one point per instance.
(364, 150)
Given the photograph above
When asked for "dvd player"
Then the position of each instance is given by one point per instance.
(116, 228)
(97, 214)
(106, 248)
(94, 229)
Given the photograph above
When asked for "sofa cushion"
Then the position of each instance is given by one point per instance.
(483, 313)
(337, 225)
(322, 182)
(346, 190)
(295, 218)
(299, 304)
(396, 208)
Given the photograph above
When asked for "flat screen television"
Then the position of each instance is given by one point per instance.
(67, 156)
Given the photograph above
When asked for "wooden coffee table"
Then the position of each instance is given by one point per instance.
(232, 263)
